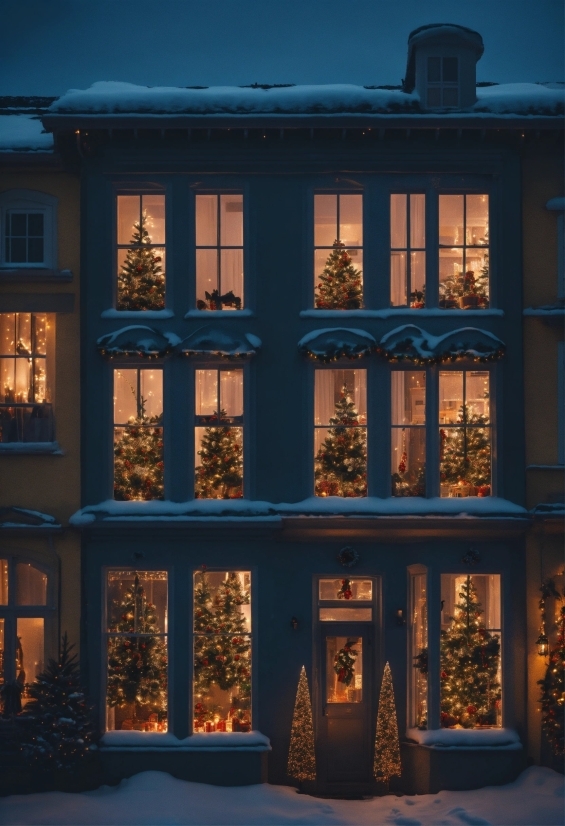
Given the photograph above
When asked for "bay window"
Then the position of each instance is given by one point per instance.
(338, 251)
(141, 252)
(408, 250)
(219, 251)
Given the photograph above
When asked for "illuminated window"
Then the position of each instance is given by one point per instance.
(338, 251)
(408, 432)
(408, 251)
(345, 599)
(137, 655)
(464, 280)
(141, 252)
(28, 230)
(418, 626)
(443, 82)
(222, 651)
(138, 434)
(218, 434)
(219, 252)
(27, 350)
(340, 432)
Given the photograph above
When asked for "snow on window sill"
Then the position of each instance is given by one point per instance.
(203, 314)
(395, 312)
(45, 274)
(461, 738)
(33, 448)
(137, 314)
(236, 741)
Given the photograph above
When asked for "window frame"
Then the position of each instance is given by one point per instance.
(441, 84)
(425, 427)
(218, 192)
(29, 200)
(408, 250)
(361, 190)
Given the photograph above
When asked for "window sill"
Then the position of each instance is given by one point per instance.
(31, 449)
(219, 314)
(41, 274)
(460, 738)
(137, 314)
(397, 312)
(214, 741)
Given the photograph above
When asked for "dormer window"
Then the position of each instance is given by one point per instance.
(443, 82)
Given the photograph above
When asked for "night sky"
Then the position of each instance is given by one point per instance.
(49, 46)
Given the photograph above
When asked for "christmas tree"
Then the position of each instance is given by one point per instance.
(465, 451)
(387, 747)
(57, 725)
(301, 754)
(470, 659)
(220, 474)
(221, 648)
(138, 459)
(341, 461)
(137, 660)
(340, 283)
(141, 281)
(553, 692)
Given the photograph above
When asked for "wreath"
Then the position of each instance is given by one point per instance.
(344, 662)
(345, 590)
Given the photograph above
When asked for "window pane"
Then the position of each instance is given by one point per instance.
(451, 283)
(408, 396)
(418, 221)
(137, 650)
(30, 652)
(129, 209)
(3, 581)
(219, 462)
(2, 654)
(450, 96)
(231, 279)
(398, 221)
(450, 73)
(450, 395)
(434, 96)
(153, 207)
(434, 69)
(477, 219)
(231, 392)
(206, 392)
(231, 220)
(206, 278)
(222, 651)
(408, 460)
(346, 614)
(141, 278)
(151, 389)
(398, 279)
(206, 220)
(35, 250)
(18, 224)
(451, 220)
(41, 327)
(325, 220)
(125, 396)
(470, 682)
(7, 335)
(328, 386)
(351, 220)
(351, 588)
(417, 278)
(31, 585)
(477, 394)
(35, 224)
(419, 639)
(344, 669)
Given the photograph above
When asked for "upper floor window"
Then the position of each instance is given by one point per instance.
(26, 368)
(464, 251)
(138, 434)
(28, 229)
(141, 252)
(218, 434)
(340, 432)
(408, 432)
(443, 82)
(408, 250)
(338, 251)
(219, 252)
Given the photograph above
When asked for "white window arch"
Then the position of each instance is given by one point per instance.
(28, 230)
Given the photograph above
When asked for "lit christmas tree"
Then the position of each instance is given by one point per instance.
(341, 461)
(141, 281)
(340, 283)
(553, 692)
(137, 661)
(57, 725)
(221, 648)
(470, 659)
(220, 474)
(387, 747)
(138, 459)
(465, 451)
(301, 754)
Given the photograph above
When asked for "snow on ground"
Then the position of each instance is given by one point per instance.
(23, 133)
(535, 799)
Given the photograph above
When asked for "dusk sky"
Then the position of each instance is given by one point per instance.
(49, 46)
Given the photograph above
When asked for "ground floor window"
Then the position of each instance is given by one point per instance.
(222, 651)
(137, 656)
(419, 640)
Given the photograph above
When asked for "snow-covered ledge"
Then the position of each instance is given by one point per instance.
(19, 448)
(465, 738)
(213, 741)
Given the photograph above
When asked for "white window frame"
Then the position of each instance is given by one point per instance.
(442, 84)
(29, 200)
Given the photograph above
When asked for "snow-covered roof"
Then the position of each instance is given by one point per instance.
(115, 98)
(24, 133)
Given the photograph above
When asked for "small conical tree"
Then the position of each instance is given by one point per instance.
(553, 692)
(465, 451)
(58, 727)
(470, 658)
(341, 461)
(141, 282)
(301, 754)
(220, 474)
(138, 459)
(339, 285)
(387, 747)
(137, 659)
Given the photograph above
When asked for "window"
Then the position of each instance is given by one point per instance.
(418, 682)
(408, 433)
(340, 432)
(219, 252)
(443, 82)
(24, 611)
(27, 343)
(137, 655)
(338, 251)
(348, 599)
(465, 433)
(464, 251)
(138, 434)
(219, 434)
(408, 250)
(28, 229)
(141, 252)
(470, 651)
(222, 651)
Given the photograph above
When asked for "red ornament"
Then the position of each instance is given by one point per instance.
(402, 464)
(471, 709)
